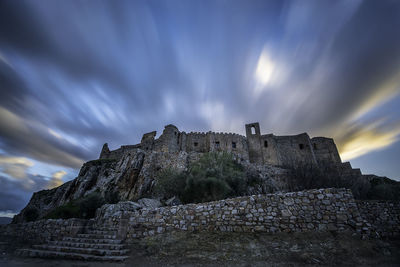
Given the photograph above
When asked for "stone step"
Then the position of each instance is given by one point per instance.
(97, 252)
(104, 229)
(97, 236)
(102, 232)
(67, 255)
(92, 240)
(88, 245)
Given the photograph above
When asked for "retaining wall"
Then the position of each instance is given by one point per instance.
(42, 230)
(313, 210)
(383, 217)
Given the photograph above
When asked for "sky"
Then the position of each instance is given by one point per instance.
(77, 74)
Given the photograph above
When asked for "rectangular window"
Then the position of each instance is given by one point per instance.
(196, 144)
(301, 146)
(233, 145)
(265, 143)
(217, 144)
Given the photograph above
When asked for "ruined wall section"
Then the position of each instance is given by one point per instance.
(253, 136)
(215, 142)
(196, 142)
(169, 141)
(325, 150)
(294, 149)
(256, 148)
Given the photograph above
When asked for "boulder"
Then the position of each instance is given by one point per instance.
(112, 210)
(149, 203)
(173, 201)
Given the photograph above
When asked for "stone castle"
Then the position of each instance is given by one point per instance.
(254, 147)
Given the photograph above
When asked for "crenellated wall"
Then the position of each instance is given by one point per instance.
(254, 147)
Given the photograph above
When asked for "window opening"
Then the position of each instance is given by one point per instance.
(253, 130)
(265, 143)
(315, 146)
(233, 145)
(301, 146)
(217, 144)
(196, 144)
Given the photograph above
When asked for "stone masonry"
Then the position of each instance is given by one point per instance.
(312, 210)
(254, 147)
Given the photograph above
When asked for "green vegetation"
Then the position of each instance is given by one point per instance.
(384, 188)
(31, 214)
(214, 176)
(84, 208)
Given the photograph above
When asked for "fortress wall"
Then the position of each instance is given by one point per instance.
(312, 210)
(293, 149)
(229, 142)
(383, 216)
(269, 149)
(196, 142)
(325, 150)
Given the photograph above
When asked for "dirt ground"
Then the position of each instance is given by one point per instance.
(240, 249)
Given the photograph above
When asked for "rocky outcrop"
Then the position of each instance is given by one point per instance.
(131, 178)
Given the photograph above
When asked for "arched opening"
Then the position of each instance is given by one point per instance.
(265, 143)
(253, 130)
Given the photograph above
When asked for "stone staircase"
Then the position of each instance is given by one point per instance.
(95, 245)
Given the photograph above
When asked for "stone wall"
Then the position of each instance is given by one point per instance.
(42, 230)
(313, 210)
(383, 217)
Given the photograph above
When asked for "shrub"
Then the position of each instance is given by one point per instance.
(214, 176)
(80, 208)
(170, 183)
(111, 197)
(31, 214)
(89, 205)
(69, 210)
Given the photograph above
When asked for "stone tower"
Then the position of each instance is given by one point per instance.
(169, 140)
(253, 136)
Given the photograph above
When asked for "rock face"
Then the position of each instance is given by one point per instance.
(131, 178)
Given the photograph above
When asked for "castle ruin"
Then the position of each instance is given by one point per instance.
(254, 147)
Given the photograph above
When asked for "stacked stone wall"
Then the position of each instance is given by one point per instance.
(313, 210)
(383, 217)
(42, 230)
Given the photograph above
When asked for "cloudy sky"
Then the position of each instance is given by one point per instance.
(77, 74)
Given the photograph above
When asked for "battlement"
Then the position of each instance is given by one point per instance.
(254, 147)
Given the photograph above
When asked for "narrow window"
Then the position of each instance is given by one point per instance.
(265, 143)
(253, 130)
(217, 144)
(196, 144)
(315, 146)
(301, 146)
(233, 145)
